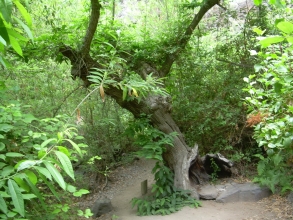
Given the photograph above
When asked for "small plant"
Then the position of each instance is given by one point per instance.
(87, 213)
(165, 198)
(216, 169)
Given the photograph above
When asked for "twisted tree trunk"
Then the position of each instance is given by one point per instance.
(180, 157)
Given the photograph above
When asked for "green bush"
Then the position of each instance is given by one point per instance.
(35, 154)
(271, 111)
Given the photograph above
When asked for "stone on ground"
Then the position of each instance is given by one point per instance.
(101, 206)
(234, 192)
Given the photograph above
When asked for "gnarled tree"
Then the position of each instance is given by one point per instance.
(180, 157)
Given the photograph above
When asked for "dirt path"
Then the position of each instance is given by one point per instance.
(122, 191)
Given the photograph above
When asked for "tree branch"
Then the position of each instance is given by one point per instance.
(93, 23)
(207, 5)
(236, 64)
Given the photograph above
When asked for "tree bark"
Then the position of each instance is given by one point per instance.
(180, 157)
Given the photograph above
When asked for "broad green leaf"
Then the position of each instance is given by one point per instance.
(64, 150)
(46, 142)
(80, 192)
(3, 31)
(31, 176)
(44, 172)
(258, 31)
(2, 156)
(75, 146)
(6, 9)
(3, 206)
(2, 61)
(257, 2)
(17, 199)
(26, 28)
(5, 127)
(13, 33)
(278, 87)
(277, 159)
(29, 196)
(15, 45)
(71, 188)
(6, 171)
(14, 154)
(28, 118)
(41, 153)
(2, 41)
(24, 13)
(290, 39)
(287, 142)
(66, 163)
(271, 40)
(285, 26)
(55, 174)
(26, 164)
(36, 191)
(2, 165)
(19, 180)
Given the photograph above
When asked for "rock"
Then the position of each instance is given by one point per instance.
(290, 198)
(101, 206)
(234, 192)
(246, 192)
(208, 192)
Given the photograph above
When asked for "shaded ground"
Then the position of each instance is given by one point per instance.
(124, 184)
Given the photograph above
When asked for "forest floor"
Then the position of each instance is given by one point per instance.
(125, 183)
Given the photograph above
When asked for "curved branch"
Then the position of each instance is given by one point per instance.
(94, 19)
(207, 5)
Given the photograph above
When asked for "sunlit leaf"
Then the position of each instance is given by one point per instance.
(32, 176)
(24, 13)
(26, 28)
(134, 92)
(271, 40)
(285, 26)
(290, 39)
(257, 2)
(26, 164)
(80, 192)
(71, 188)
(15, 45)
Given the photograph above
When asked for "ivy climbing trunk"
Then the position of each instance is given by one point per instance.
(180, 157)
